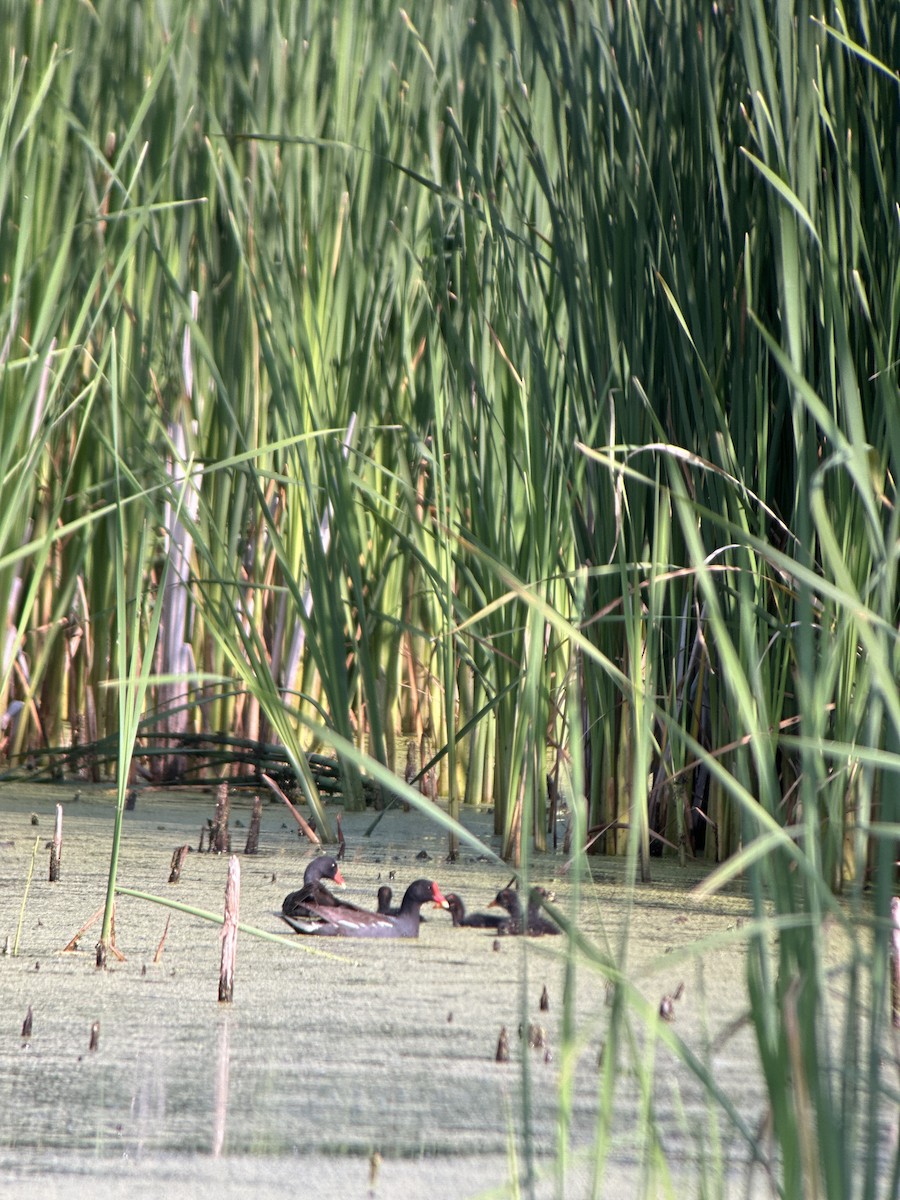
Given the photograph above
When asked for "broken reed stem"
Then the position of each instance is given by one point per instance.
(37, 842)
(102, 948)
(230, 930)
(298, 817)
(253, 833)
(72, 944)
(56, 846)
(162, 941)
(895, 962)
(178, 857)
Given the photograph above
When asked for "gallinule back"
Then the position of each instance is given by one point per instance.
(329, 921)
(535, 923)
(472, 920)
(314, 892)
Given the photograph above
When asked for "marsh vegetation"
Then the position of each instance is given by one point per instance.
(514, 383)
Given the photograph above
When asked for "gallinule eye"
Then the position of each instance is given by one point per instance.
(472, 920)
(330, 921)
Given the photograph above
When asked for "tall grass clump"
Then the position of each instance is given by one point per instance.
(432, 375)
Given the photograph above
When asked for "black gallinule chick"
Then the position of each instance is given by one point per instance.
(472, 920)
(328, 921)
(537, 923)
(386, 909)
(508, 898)
(314, 891)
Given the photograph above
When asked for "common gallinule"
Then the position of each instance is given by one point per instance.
(314, 892)
(328, 921)
(537, 924)
(473, 920)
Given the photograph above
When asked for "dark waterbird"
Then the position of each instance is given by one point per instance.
(472, 920)
(330, 921)
(314, 893)
(533, 921)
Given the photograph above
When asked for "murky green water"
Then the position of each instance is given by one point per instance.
(387, 1046)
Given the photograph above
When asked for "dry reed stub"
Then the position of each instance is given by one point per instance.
(252, 846)
(56, 846)
(230, 931)
(178, 857)
(27, 1024)
(502, 1053)
(219, 840)
(668, 1002)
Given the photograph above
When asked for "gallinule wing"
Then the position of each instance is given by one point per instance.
(328, 921)
(314, 892)
(473, 920)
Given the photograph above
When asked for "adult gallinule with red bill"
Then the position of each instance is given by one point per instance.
(314, 892)
(329, 921)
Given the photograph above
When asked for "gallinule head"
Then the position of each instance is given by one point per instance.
(344, 922)
(314, 890)
(472, 920)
